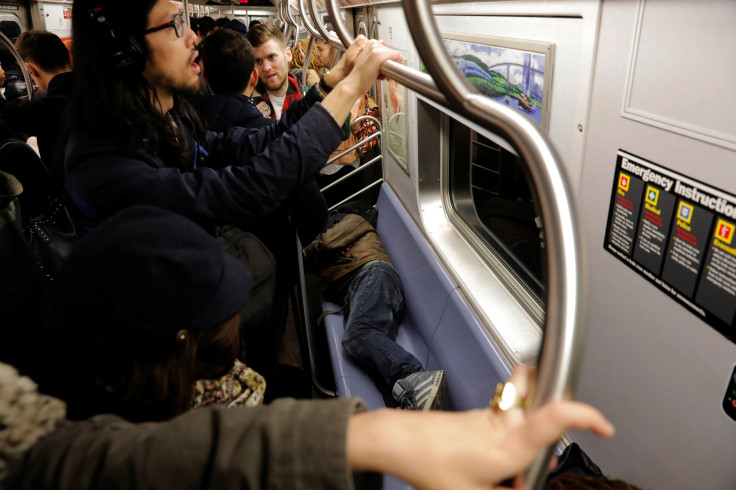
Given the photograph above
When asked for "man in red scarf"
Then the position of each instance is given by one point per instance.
(277, 88)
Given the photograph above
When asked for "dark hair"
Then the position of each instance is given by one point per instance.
(138, 377)
(228, 61)
(237, 26)
(253, 22)
(44, 48)
(221, 22)
(111, 103)
(194, 23)
(205, 25)
(262, 33)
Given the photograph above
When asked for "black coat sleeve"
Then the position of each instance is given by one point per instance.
(248, 174)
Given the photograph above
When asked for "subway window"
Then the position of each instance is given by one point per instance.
(491, 193)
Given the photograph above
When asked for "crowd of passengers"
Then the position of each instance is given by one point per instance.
(156, 345)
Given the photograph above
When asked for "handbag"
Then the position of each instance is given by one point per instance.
(51, 239)
(47, 224)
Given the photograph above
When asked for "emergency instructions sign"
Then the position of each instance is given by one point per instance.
(679, 234)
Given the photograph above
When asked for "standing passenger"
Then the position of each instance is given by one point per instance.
(47, 60)
(135, 140)
(278, 89)
(228, 66)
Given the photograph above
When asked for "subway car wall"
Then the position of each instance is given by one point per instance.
(659, 354)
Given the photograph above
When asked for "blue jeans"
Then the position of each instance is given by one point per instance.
(375, 302)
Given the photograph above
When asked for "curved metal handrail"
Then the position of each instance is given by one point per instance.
(307, 21)
(287, 13)
(561, 353)
(23, 68)
(324, 34)
(280, 12)
(413, 79)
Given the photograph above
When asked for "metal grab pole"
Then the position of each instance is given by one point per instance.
(561, 353)
(307, 59)
(420, 82)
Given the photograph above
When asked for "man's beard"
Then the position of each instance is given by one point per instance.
(280, 85)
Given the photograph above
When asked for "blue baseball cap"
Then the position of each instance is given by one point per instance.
(147, 271)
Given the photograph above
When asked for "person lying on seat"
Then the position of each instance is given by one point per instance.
(355, 270)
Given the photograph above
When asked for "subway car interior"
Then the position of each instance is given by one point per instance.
(552, 185)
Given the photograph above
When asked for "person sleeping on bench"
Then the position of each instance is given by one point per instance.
(354, 270)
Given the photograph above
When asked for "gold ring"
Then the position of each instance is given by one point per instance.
(506, 397)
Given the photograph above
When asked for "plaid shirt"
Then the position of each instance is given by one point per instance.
(293, 93)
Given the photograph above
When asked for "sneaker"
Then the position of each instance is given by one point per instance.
(422, 390)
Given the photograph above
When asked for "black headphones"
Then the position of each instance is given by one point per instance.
(126, 55)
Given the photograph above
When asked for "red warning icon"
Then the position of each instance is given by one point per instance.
(724, 231)
(623, 181)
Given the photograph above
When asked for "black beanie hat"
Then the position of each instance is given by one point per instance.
(147, 271)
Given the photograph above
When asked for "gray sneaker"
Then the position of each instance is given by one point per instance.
(422, 390)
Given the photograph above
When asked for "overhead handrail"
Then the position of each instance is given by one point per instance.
(287, 14)
(331, 39)
(21, 65)
(420, 82)
(306, 20)
(561, 353)
(280, 12)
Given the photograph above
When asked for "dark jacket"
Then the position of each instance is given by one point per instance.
(15, 84)
(288, 444)
(306, 207)
(225, 111)
(346, 246)
(43, 118)
(246, 175)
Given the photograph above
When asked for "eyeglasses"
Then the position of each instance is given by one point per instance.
(177, 23)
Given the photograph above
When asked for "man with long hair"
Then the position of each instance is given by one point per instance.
(134, 140)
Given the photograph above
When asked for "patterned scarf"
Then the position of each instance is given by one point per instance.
(293, 93)
(366, 127)
(240, 387)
